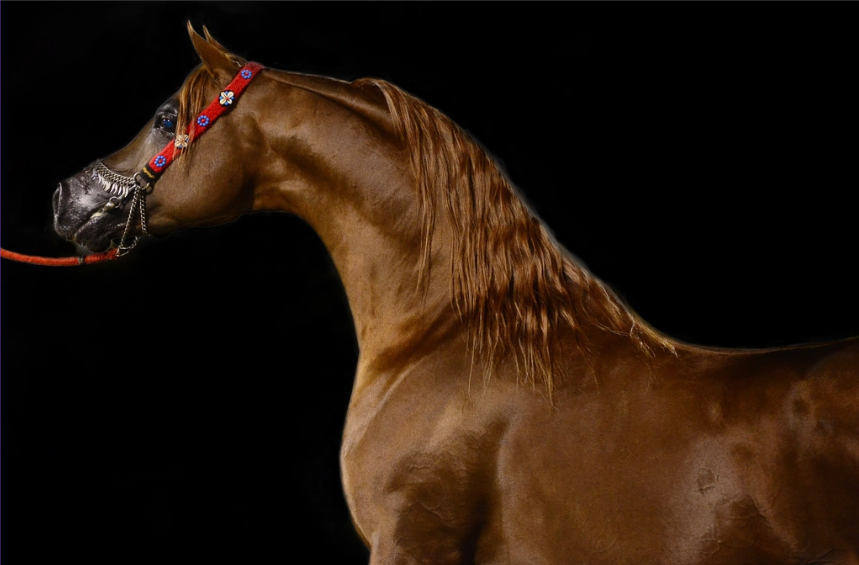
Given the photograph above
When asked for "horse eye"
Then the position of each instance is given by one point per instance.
(168, 123)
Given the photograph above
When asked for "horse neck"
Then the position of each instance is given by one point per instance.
(339, 166)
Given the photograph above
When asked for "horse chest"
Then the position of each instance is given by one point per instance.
(418, 466)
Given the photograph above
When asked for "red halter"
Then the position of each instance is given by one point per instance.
(226, 100)
(159, 163)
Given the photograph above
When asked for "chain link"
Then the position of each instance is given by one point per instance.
(138, 202)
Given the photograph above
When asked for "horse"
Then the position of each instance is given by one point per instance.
(507, 406)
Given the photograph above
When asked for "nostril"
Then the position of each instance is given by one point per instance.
(56, 199)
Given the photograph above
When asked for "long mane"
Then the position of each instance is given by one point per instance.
(512, 285)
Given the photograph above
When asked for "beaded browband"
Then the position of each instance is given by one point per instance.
(228, 97)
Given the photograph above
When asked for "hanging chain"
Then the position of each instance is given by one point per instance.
(120, 186)
(138, 202)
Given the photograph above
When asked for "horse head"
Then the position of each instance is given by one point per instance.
(92, 208)
(245, 165)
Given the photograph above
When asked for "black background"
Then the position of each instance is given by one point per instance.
(185, 404)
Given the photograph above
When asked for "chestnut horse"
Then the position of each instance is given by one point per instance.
(507, 407)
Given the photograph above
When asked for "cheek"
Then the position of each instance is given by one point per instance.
(208, 185)
(209, 199)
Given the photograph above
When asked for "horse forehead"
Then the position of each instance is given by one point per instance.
(171, 104)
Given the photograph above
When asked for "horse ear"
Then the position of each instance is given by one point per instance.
(211, 40)
(214, 58)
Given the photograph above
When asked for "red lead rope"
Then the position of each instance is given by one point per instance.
(60, 262)
(160, 162)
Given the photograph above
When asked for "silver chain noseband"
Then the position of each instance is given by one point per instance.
(114, 183)
(120, 186)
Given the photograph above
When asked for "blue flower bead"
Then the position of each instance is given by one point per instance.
(246, 74)
(160, 161)
(203, 120)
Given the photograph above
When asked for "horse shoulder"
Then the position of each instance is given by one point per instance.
(693, 457)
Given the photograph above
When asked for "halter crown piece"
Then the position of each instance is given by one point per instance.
(121, 186)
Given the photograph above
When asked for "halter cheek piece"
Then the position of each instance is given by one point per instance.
(138, 186)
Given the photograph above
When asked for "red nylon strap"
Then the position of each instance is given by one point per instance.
(60, 262)
(207, 117)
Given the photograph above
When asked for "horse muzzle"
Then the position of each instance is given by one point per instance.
(79, 216)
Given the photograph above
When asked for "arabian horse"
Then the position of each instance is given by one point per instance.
(507, 407)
